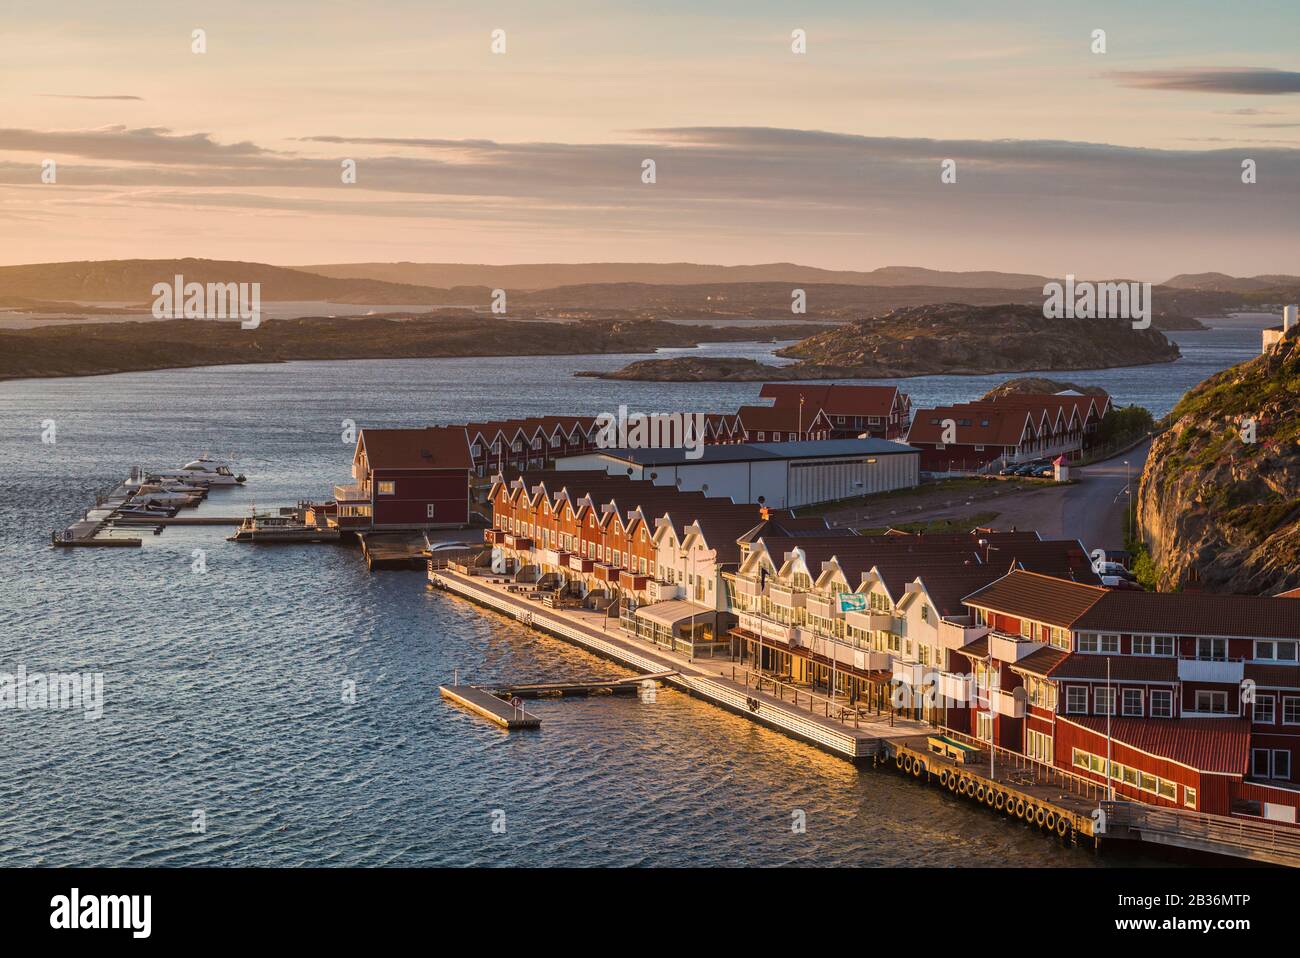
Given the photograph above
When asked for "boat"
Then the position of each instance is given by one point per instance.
(273, 528)
(216, 472)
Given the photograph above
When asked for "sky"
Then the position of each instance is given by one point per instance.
(1126, 162)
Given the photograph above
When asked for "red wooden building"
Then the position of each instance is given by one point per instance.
(407, 479)
(882, 412)
(1192, 699)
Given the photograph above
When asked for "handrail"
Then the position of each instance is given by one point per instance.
(1050, 774)
(1204, 825)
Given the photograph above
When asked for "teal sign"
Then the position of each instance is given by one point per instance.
(853, 602)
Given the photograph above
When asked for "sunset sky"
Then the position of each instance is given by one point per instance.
(1123, 163)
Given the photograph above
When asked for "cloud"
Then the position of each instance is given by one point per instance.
(1259, 81)
(81, 96)
(142, 145)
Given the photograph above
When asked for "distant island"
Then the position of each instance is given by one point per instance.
(952, 339)
(87, 349)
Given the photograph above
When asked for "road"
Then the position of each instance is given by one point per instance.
(1090, 510)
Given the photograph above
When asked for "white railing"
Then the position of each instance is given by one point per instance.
(1012, 648)
(1211, 670)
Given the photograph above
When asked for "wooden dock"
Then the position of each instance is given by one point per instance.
(392, 550)
(624, 686)
(484, 703)
(1043, 797)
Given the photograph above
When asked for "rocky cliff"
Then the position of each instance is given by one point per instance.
(1218, 512)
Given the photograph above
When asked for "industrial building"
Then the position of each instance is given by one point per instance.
(779, 475)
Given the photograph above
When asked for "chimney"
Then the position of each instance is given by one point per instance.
(1290, 318)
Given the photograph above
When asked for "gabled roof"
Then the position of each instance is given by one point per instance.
(434, 447)
(1194, 613)
(1041, 598)
(834, 398)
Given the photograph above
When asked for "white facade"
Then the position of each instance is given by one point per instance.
(778, 483)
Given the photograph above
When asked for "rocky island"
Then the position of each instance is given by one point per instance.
(949, 339)
(1218, 505)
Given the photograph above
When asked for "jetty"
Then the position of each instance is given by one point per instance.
(483, 702)
(148, 499)
(629, 685)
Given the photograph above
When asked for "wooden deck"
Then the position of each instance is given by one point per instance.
(1041, 796)
(484, 703)
(1197, 831)
(624, 686)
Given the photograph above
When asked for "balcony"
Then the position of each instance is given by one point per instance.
(357, 492)
(581, 563)
(787, 598)
(910, 673)
(841, 653)
(746, 586)
(822, 607)
(1012, 648)
(1011, 704)
(1229, 671)
(955, 687)
(664, 591)
(953, 636)
(520, 543)
(493, 536)
(874, 621)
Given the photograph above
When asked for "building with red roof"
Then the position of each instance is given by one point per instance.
(1193, 698)
(407, 479)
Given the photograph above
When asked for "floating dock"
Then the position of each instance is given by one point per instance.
(484, 703)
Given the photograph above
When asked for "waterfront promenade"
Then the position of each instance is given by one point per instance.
(847, 733)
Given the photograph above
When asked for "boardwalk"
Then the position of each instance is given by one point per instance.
(719, 681)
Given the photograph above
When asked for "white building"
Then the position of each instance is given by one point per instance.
(1290, 320)
(779, 475)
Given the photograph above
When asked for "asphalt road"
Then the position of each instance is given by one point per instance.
(1090, 510)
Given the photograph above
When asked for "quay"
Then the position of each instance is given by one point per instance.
(855, 737)
(1043, 797)
(484, 703)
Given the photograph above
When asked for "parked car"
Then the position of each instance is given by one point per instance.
(1119, 582)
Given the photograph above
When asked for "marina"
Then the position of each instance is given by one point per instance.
(484, 703)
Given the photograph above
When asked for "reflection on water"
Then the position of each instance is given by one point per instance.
(223, 691)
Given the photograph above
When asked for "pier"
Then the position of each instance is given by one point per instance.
(483, 702)
(1042, 796)
(624, 686)
(857, 739)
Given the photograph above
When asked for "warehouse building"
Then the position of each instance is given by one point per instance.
(779, 475)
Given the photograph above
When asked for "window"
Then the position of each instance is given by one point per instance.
(1132, 701)
(1105, 701)
(1189, 796)
(1281, 763)
(1207, 701)
(1291, 710)
(387, 487)
(1264, 709)
(1260, 762)
(1099, 643)
(1213, 650)
(1153, 645)
(1275, 651)
(1038, 745)
(1076, 699)
(428, 510)
(984, 726)
(1162, 703)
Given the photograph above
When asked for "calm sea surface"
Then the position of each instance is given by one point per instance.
(223, 689)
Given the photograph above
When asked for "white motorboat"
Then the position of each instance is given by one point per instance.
(215, 472)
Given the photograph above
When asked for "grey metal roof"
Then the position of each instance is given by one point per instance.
(760, 451)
